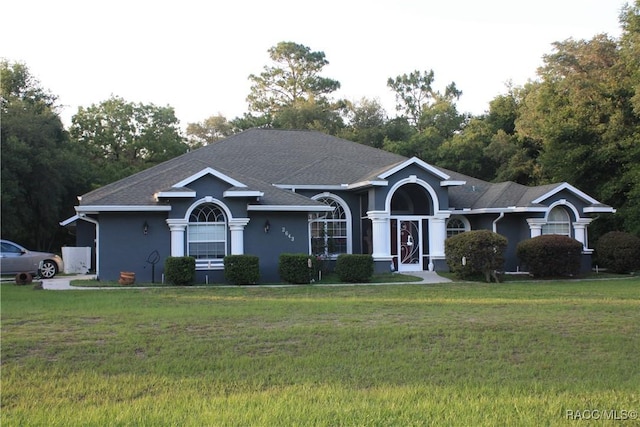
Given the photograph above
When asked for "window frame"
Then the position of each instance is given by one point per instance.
(329, 222)
(218, 228)
(450, 231)
(552, 223)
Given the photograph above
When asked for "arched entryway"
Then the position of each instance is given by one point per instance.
(411, 206)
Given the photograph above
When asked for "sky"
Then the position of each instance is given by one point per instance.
(196, 55)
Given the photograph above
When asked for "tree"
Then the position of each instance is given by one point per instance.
(41, 173)
(414, 92)
(582, 113)
(438, 122)
(121, 138)
(366, 121)
(210, 130)
(307, 114)
(294, 77)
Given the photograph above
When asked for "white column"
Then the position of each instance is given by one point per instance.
(580, 232)
(437, 236)
(177, 227)
(236, 226)
(535, 226)
(380, 229)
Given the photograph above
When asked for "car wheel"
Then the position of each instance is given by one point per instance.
(49, 269)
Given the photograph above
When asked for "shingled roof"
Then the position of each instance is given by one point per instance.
(271, 161)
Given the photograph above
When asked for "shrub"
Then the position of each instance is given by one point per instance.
(619, 252)
(354, 268)
(297, 268)
(242, 269)
(476, 252)
(551, 255)
(180, 271)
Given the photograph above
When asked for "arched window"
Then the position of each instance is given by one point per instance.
(328, 231)
(558, 222)
(457, 225)
(207, 233)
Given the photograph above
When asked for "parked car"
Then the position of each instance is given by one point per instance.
(16, 259)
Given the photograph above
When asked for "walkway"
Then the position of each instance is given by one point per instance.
(63, 283)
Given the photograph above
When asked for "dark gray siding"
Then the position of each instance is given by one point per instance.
(124, 246)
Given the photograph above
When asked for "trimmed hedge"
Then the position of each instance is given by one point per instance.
(297, 268)
(619, 252)
(354, 268)
(242, 269)
(551, 255)
(476, 252)
(180, 271)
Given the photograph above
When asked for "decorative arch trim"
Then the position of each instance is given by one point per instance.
(413, 180)
(209, 199)
(562, 202)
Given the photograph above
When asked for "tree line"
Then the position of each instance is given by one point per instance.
(578, 121)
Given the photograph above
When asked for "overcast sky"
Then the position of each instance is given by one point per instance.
(196, 55)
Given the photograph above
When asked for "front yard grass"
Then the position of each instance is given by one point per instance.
(447, 354)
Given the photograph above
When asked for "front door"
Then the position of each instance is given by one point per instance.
(409, 243)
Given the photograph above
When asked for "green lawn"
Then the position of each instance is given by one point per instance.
(467, 354)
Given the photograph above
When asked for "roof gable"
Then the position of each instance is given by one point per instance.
(209, 171)
(415, 161)
(568, 187)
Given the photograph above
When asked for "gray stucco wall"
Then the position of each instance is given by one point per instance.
(124, 246)
(288, 233)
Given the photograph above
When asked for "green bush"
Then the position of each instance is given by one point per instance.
(619, 252)
(295, 268)
(242, 269)
(354, 268)
(476, 252)
(551, 255)
(180, 271)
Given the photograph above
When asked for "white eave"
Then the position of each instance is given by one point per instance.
(175, 194)
(451, 183)
(122, 208)
(241, 193)
(294, 187)
(289, 208)
(599, 209)
(69, 220)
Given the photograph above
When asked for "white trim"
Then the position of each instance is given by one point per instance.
(451, 183)
(415, 161)
(294, 187)
(176, 194)
(562, 202)
(317, 187)
(468, 211)
(571, 188)
(288, 208)
(240, 193)
(69, 220)
(599, 209)
(412, 180)
(208, 171)
(122, 208)
(374, 183)
(208, 199)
